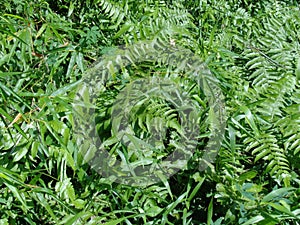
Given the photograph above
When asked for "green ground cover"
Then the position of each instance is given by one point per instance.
(251, 47)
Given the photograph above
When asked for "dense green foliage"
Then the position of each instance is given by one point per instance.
(252, 48)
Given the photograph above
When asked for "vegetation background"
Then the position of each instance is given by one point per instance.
(252, 47)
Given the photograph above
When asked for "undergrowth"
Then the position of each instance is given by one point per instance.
(252, 48)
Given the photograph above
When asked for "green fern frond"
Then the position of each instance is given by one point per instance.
(152, 19)
(289, 126)
(266, 148)
(116, 11)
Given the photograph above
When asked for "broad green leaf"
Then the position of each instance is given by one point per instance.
(34, 149)
(254, 220)
(248, 175)
(21, 153)
(281, 208)
(154, 211)
(278, 193)
(250, 119)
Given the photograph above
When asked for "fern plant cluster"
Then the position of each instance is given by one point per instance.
(48, 50)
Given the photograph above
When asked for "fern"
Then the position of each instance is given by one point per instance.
(152, 20)
(289, 126)
(149, 114)
(115, 11)
(272, 135)
(266, 148)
